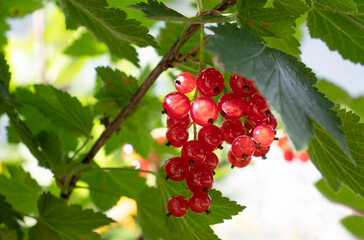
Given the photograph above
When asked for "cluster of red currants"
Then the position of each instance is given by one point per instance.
(248, 126)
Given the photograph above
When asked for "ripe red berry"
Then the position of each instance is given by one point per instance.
(232, 129)
(200, 202)
(185, 82)
(193, 152)
(204, 111)
(288, 155)
(210, 82)
(176, 105)
(243, 147)
(261, 152)
(211, 137)
(303, 156)
(177, 206)
(242, 86)
(257, 109)
(211, 161)
(271, 121)
(264, 135)
(177, 136)
(231, 106)
(176, 169)
(184, 122)
(237, 162)
(199, 179)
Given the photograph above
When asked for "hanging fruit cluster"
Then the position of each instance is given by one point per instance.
(249, 127)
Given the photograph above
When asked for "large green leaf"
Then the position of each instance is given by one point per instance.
(85, 45)
(109, 25)
(293, 8)
(59, 221)
(10, 217)
(61, 108)
(20, 190)
(341, 31)
(333, 163)
(265, 22)
(288, 45)
(285, 81)
(355, 225)
(107, 187)
(344, 196)
(338, 5)
(195, 226)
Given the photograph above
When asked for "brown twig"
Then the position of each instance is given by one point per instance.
(165, 63)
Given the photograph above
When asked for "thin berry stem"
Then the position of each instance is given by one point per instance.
(179, 45)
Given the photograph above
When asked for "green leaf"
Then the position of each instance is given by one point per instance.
(333, 163)
(339, 95)
(158, 11)
(3, 28)
(10, 217)
(109, 25)
(59, 221)
(344, 196)
(195, 226)
(342, 32)
(85, 45)
(151, 215)
(19, 8)
(337, 5)
(61, 108)
(288, 45)
(7, 234)
(355, 225)
(51, 145)
(294, 8)
(285, 81)
(108, 186)
(265, 22)
(20, 190)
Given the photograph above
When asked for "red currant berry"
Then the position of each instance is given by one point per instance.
(303, 156)
(176, 136)
(261, 152)
(242, 86)
(271, 121)
(232, 129)
(211, 137)
(184, 122)
(231, 106)
(264, 135)
(176, 169)
(185, 82)
(204, 111)
(237, 162)
(199, 179)
(243, 147)
(176, 105)
(177, 206)
(257, 109)
(210, 82)
(211, 161)
(200, 202)
(193, 152)
(288, 155)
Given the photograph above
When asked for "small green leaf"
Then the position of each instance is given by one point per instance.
(59, 221)
(333, 163)
(341, 31)
(344, 196)
(109, 25)
(10, 217)
(348, 6)
(18, 187)
(355, 225)
(107, 186)
(85, 45)
(265, 22)
(285, 81)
